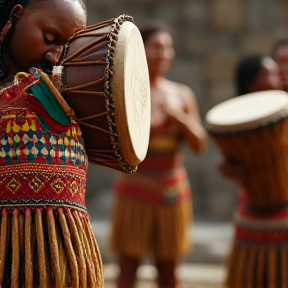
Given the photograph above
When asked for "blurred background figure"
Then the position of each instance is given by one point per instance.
(260, 236)
(280, 54)
(253, 73)
(153, 210)
(257, 73)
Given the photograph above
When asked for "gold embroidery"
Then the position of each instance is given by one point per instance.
(57, 185)
(13, 185)
(36, 184)
(73, 188)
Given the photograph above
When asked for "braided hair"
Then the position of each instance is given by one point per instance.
(6, 7)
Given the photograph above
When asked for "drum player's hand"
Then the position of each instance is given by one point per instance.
(174, 113)
(232, 170)
(190, 124)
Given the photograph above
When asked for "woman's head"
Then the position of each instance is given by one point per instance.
(280, 54)
(38, 32)
(158, 42)
(257, 73)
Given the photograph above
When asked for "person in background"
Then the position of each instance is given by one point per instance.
(152, 211)
(257, 73)
(253, 73)
(46, 239)
(259, 235)
(279, 53)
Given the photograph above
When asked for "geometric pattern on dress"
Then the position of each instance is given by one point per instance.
(51, 184)
(23, 139)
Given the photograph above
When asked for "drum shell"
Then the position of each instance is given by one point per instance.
(263, 150)
(85, 104)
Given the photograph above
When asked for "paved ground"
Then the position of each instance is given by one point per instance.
(204, 267)
(190, 275)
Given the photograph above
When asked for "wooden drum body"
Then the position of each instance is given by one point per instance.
(105, 81)
(253, 130)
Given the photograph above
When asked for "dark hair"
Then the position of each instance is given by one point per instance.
(5, 10)
(246, 72)
(278, 44)
(6, 7)
(154, 26)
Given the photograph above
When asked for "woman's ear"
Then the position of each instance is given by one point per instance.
(17, 11)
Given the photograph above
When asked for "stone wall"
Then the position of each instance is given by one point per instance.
(211, 36)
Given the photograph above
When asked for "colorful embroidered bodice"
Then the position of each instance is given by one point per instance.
(42, 157)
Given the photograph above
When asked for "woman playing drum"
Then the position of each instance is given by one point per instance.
(259, 255)
(46, 238)
(152, 210)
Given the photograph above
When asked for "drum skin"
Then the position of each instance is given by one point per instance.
(105, 80)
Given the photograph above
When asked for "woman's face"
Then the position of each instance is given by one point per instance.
(281, 57)
(159, 52)
(41, 31)
(269, 77)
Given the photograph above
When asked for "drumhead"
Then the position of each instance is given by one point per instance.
(248, 110)
(131, 93)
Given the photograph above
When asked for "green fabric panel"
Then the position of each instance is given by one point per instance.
(43, 123)
(42, 92)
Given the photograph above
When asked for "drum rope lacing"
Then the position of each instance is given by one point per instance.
(112, 37)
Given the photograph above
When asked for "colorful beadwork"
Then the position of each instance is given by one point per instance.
(23, 139)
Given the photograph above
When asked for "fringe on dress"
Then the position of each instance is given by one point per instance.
(34, 244)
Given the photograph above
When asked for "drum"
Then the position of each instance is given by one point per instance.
(253, 130)
(104, 79)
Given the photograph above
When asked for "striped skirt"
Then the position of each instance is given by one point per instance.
(147, 221)
(259, 255)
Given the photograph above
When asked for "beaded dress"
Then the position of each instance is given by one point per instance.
(46, 238)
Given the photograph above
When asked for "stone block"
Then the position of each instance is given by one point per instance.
(220, 91)
(226, 14)
(195, 45)
(194, 13)
(220, 65)
(257, 43)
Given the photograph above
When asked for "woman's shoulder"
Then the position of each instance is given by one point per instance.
(184, 88)
(184, 91)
